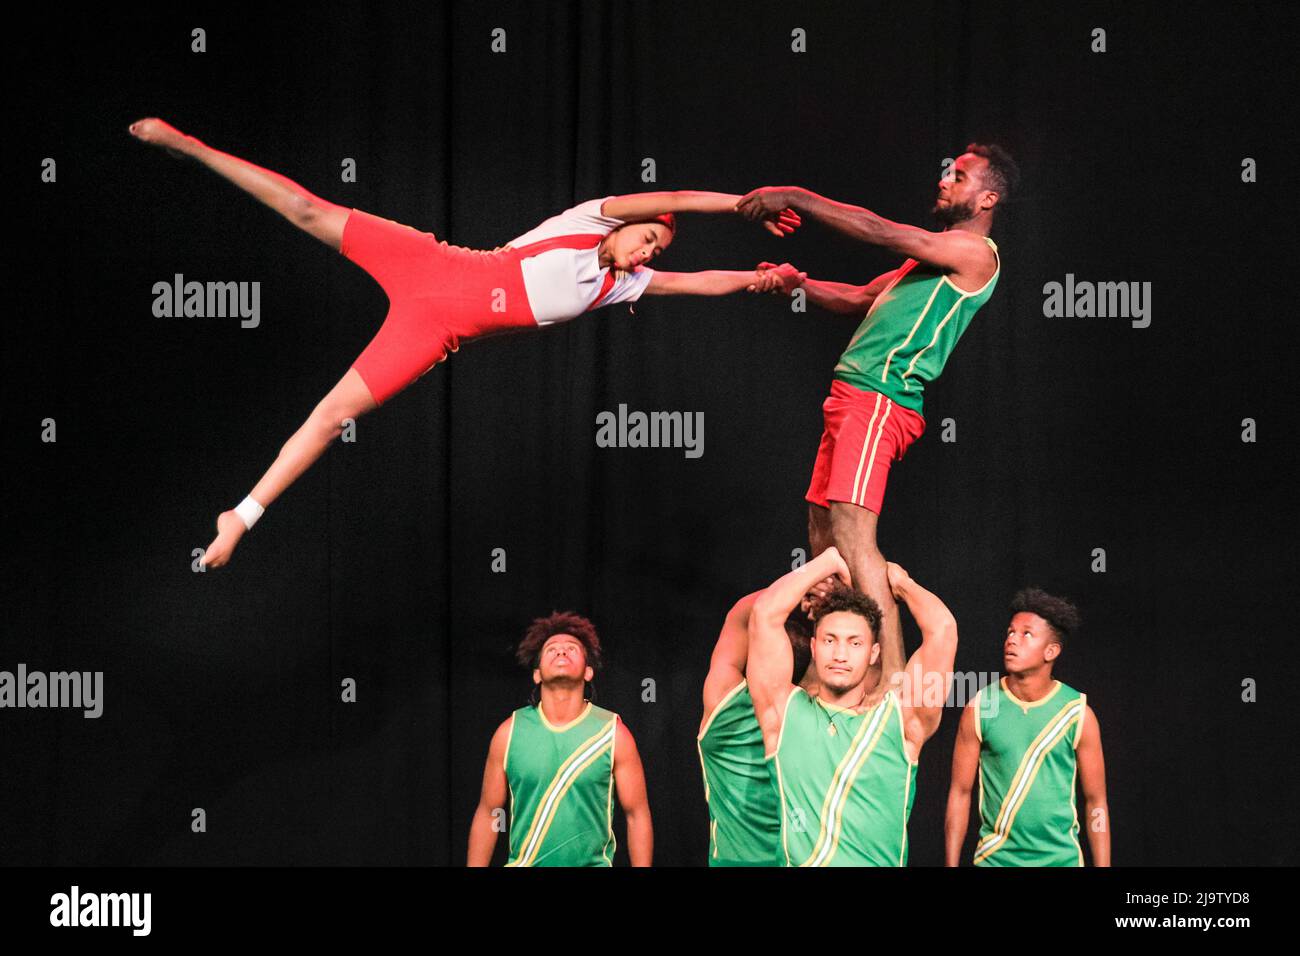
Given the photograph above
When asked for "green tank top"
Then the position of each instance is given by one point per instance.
(844, 782)
(744, 815)
(910, 330)
(1027, 774)
(561, 788)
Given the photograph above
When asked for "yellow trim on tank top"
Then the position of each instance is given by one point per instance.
(509, 737)
(934, 338)
(907, 792)
(611, 843)
(780, 792)
(541, 839)
(1024, 766)
(1026, 704)
(717, 708)
(704, 771)
(555, 779)
(1074, 805)
(569, 726)
(785, 712)
(999, 837)
(848, 710)
(884, 374)
(531, 856)
(1005, 837)
(997, 269)
(848, 771)
(902, 733)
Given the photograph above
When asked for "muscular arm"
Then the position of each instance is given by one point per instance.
(843, 298)
(839, 297)
(770, 657)
(955, 250)
(929, 673)
(965, 764)
(730, 653)
(629, 781)
(492, 798)
(1092, 778)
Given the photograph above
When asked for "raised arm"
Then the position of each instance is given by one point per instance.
(637, 207)
(956, 250)
(629, 781)
(928, 676)
(1092, 778)
(730, 653)
(491, 801)
(770, 658)
(965, 764)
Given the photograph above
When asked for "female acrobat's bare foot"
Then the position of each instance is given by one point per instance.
(230, 528)
(158, 132)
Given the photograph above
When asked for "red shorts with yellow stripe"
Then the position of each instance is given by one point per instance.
(437, 295)
(865, 433)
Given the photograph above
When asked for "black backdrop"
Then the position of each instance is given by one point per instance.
(222, 689)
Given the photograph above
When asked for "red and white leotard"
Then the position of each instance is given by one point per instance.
(439, 294)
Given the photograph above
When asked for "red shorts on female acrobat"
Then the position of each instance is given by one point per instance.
(437, 295)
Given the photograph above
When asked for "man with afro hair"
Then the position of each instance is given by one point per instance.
(559, 762)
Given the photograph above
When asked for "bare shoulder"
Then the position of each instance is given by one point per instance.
(1090, 724)
(976, 263)
(624, 743)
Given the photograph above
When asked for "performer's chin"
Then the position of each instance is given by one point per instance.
(839, 687)
(947, 214)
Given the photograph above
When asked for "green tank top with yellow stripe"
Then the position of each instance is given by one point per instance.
(561, 788)
(845, 784)
(910, 330)
(1027, 773)
(744, 815)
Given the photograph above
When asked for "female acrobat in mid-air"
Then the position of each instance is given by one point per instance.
(591, 255)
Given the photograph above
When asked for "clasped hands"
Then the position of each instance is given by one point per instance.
(769, 205)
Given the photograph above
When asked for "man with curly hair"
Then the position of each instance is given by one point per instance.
(559, 761)
(1032, 739)
(845, 769)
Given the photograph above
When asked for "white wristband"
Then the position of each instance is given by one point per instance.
(249, 511)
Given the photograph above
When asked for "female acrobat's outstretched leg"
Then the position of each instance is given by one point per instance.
(308, 212)
(350, 398)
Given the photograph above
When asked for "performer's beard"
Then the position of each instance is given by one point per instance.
(951, 213)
